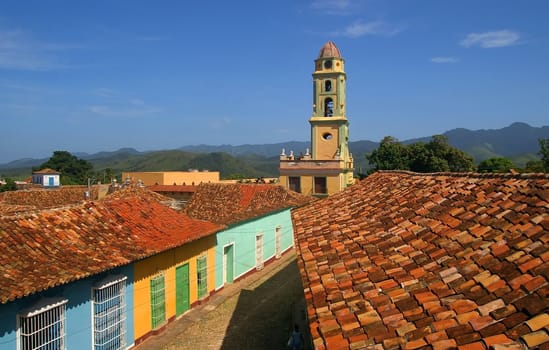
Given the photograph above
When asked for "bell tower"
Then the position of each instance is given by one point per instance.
(329, 125)
(328, 167)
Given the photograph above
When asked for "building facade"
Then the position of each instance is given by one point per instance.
(327, 167)
(46, 177)
(149, 178)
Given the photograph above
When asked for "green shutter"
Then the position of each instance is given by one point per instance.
(182, 301)
(158, 301)
(202, 276)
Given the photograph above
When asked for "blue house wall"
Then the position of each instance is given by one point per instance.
(78, 321)
(243, 237)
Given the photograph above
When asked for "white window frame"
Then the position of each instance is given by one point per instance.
(112, 319)
(53, 313)
(259, 251)
(278, 241)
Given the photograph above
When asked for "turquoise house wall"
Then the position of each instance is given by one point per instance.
(243, 237)
(78, 328)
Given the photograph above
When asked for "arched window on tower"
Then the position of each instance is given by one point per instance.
(328, 107)
(328, 85)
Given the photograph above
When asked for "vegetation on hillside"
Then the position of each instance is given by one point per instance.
(435, 156)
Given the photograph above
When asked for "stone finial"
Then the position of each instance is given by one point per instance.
(307, 152)
(291, 153)
(283, 153)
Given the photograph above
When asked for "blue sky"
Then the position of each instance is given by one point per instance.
(89, 76)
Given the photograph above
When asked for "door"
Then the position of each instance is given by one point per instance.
(259, 252)
(182, 302)
(50, 181)
(228, 264)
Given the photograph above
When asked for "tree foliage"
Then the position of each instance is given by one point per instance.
(544, 153)
(9, 186)
(390, 155)
(434, 156)
(74, 171)
(495, 165)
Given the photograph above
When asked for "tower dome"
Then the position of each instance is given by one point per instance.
(329, 50)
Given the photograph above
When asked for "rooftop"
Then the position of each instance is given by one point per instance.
(44, 249)
(438, 261)
(329, 50)
(231, 203)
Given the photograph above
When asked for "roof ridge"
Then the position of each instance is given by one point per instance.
(472, 174)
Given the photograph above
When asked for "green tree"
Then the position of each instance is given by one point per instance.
(534, 166)
(390, 155)
(544, 153)
(435, 156)
(9, 186)
(495, 165)
(73, 169)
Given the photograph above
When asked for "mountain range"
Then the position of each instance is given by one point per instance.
(518, 142)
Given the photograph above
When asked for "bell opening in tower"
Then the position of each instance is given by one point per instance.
(328, 107)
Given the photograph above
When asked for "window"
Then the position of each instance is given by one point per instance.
(328, 85)
(328, 107)
(278, 237)
(295, 183)
(158, 301)
(43, 327)
(320, 185)
(259, 251)
(202, 276)
(109, 314)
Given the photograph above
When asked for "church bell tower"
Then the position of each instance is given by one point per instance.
(328, 167)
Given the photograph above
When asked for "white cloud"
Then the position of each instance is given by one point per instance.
(108, 111)
(219, 123)
(19, 51)
(105, 92)
(444, 60)
(360, 28)
(500, 38)
(341, 7)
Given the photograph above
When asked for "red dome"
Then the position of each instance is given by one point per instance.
(329, 50)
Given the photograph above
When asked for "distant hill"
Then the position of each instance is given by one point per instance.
(518, 142)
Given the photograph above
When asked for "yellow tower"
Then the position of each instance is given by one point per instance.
(328, 167)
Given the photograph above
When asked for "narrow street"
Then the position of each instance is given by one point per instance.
(256, 312)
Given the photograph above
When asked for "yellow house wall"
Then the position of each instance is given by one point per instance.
(170, 177)
(167, 262)
(189, 177)
(148, 178)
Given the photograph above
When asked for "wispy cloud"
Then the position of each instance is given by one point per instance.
(488, 40)
(106, 92)
(218, 124)
(19, 51)
(151, 38)
(444, 60)
(339, 7)
(109, 111)
(359, 28)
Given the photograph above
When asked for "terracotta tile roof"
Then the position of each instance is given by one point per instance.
(172, 188)
(32, 199)
(231, 203)
(438, 261)
(43, 249)
(46, 171)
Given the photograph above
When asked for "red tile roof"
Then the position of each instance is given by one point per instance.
(231, 203)
(428, 260)
(172, 188)
(41, 198)
(46, 171)
(43, 249)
